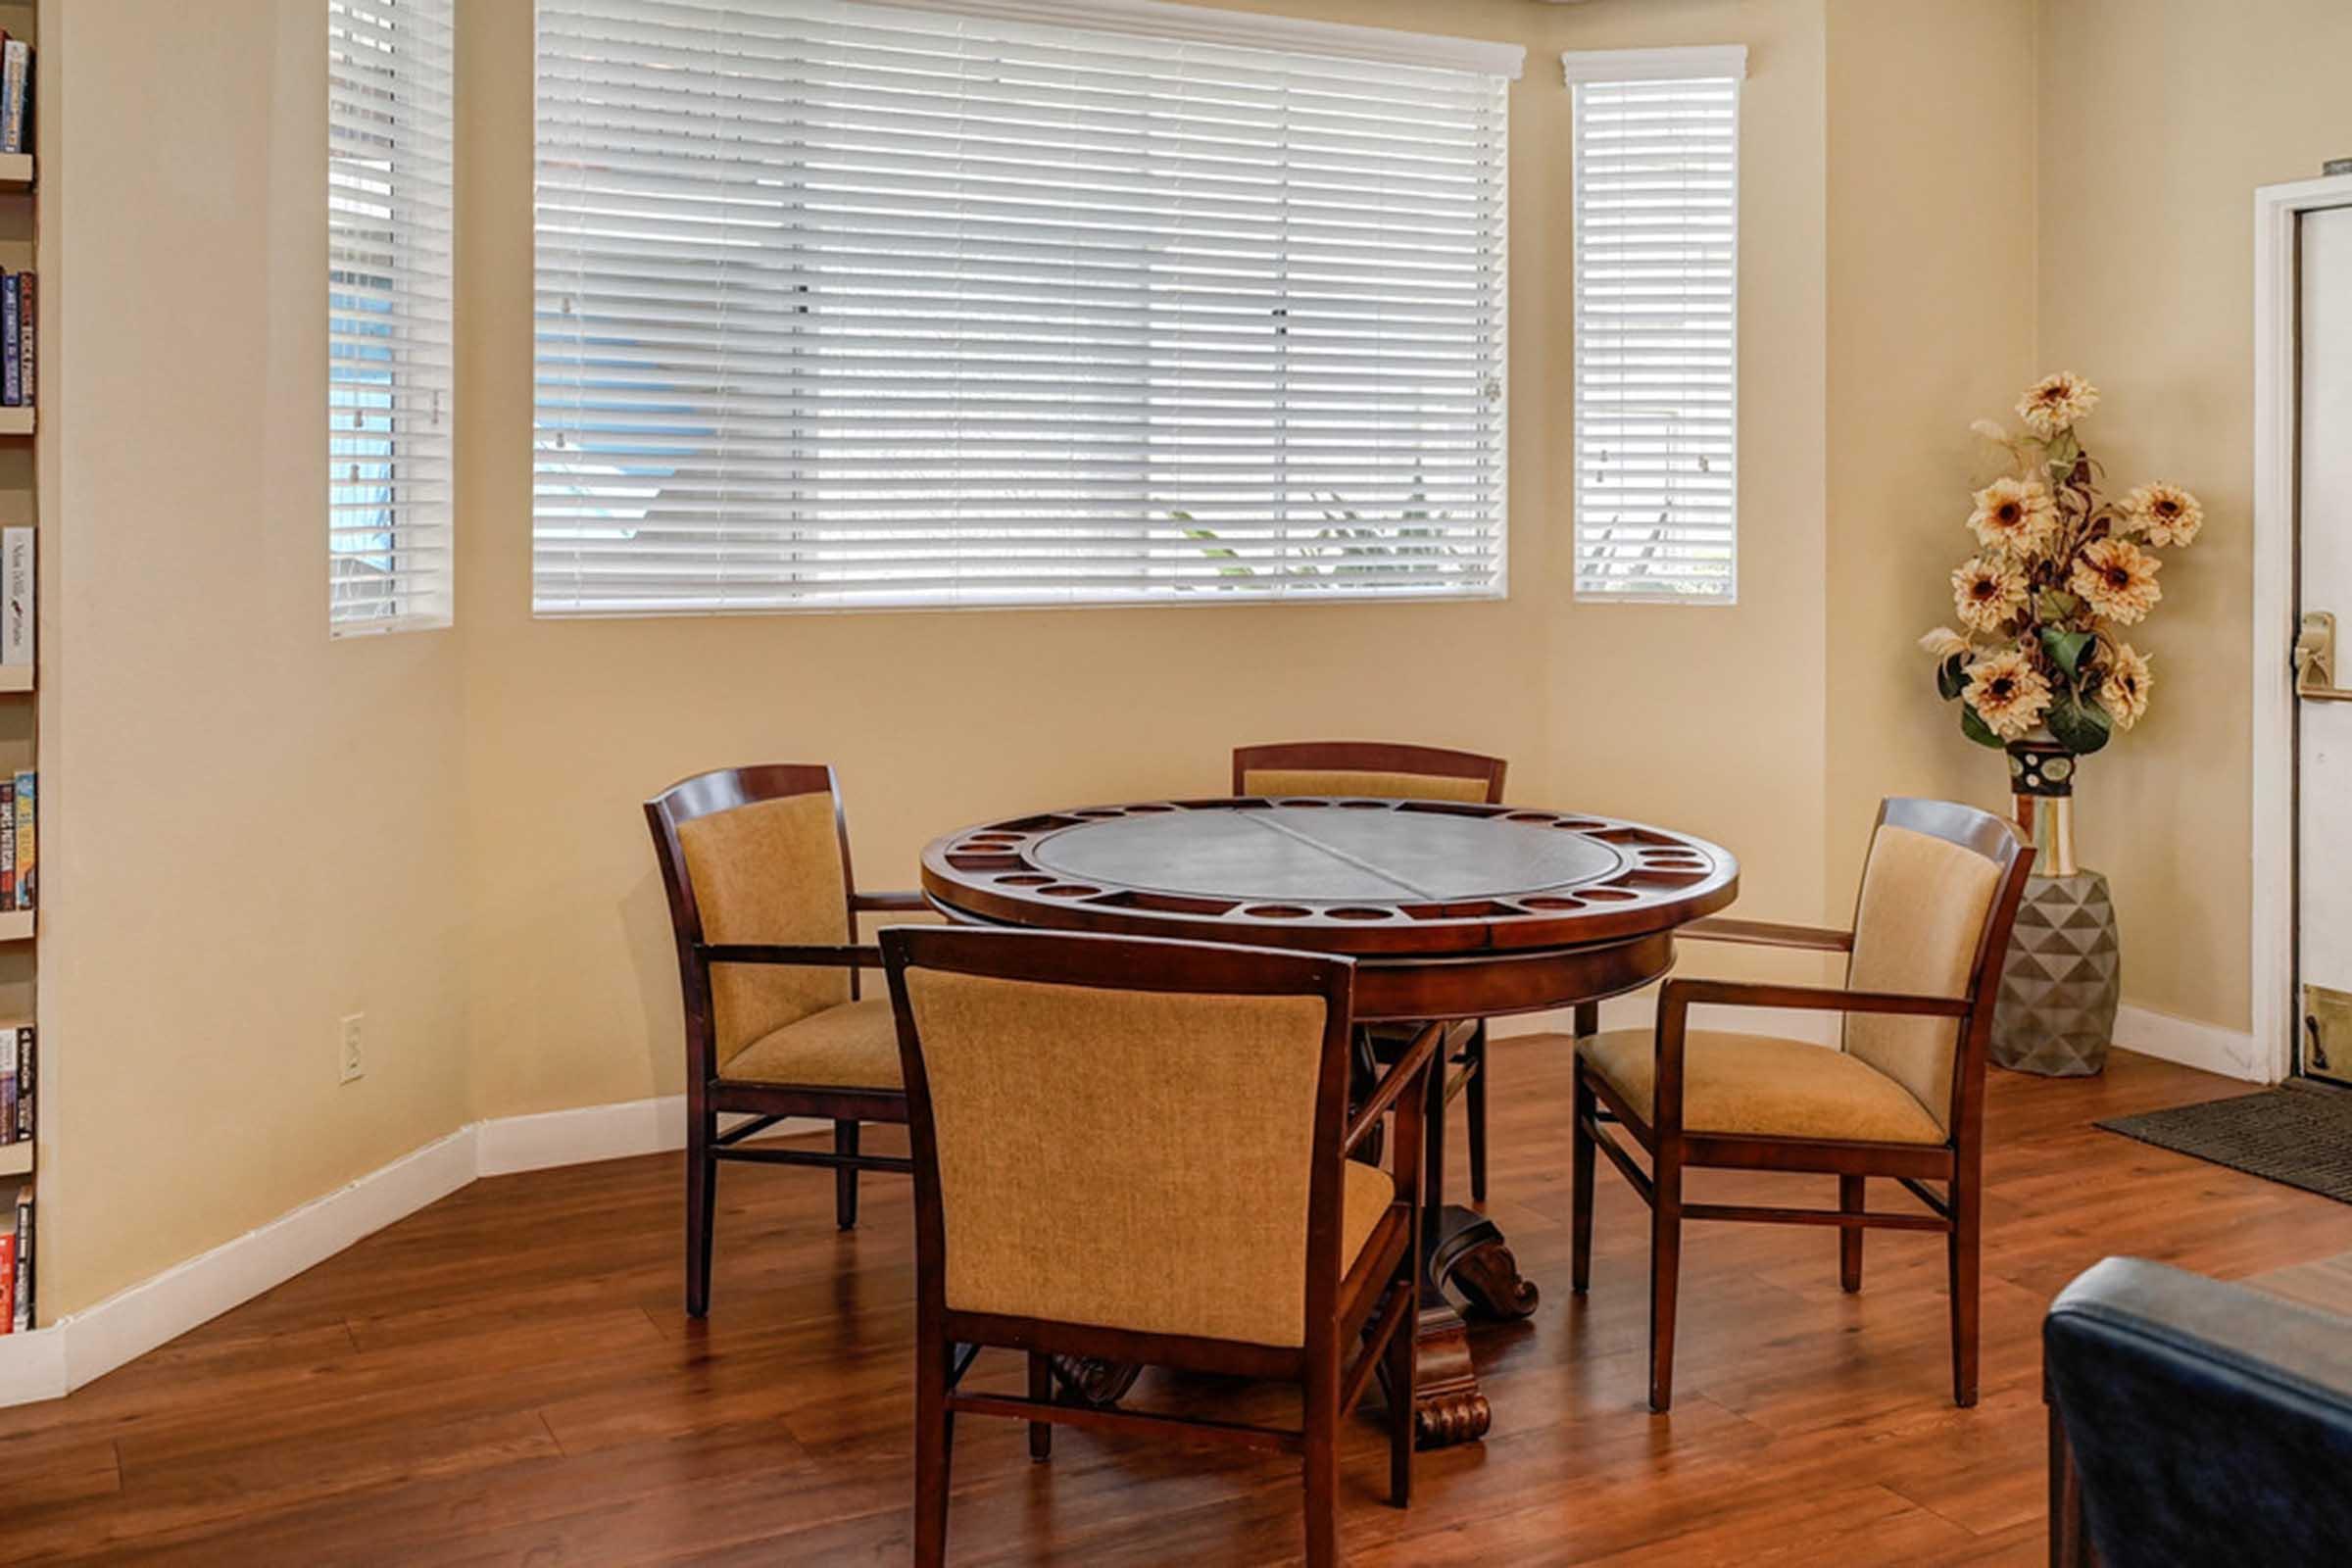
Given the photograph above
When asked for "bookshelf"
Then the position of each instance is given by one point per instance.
(27, 455)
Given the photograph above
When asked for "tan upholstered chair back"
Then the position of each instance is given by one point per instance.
(766, 870)
(1128, 1159)
(1920, 926)
(1376, 769)
(1377, 786)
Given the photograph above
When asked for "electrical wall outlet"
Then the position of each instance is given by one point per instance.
(350, 1056)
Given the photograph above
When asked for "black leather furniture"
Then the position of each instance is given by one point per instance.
(2194, 1422)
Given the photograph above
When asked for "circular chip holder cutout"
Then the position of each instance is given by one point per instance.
(1340, 874)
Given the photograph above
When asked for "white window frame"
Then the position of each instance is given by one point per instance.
(1160, 24)
(391, 211)
(1708, 63)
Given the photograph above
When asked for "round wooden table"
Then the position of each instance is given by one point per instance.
(1452, 912)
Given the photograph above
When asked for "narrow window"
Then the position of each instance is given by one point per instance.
(389, 340)
(1657, 365)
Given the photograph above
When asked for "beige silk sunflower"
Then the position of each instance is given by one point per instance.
(1942, 643)
(2116, 579)
(2123, 687)
(2167, 514)
(2056, 404)
(1986, 593)
(2014, 514)
(2008, 693)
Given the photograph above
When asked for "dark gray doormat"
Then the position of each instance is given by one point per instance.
(2300, 1134)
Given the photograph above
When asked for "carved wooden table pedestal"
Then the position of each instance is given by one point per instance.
(1452, 912)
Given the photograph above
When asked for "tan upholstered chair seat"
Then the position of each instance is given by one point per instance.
(855, 1045)
(1765, 1086)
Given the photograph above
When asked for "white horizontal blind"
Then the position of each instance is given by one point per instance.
(1656, 170)
(844, 305)
(389, 315)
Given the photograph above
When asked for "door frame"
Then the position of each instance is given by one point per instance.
(2276, 297)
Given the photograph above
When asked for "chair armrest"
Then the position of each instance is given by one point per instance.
(1411, 1067)
(1679, 996)
(823, 955)
(1768, 934)
(905, 903)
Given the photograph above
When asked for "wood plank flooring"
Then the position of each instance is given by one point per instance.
(507, 1378)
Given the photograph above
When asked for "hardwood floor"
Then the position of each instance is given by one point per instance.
(508, 1378)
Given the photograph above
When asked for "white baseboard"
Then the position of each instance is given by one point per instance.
(2230, 1053)
(505, 1144)
(33, 1366)
(586, 1134)
(49, 1363)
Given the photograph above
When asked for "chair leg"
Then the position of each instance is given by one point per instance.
(1963, 1249)
(1583, 1149)
(1474, 1112)
(1665, 1274)
(702, 1205)
(1322, 1462)
(1850, 1195)
(934, 1449)
(1401, 1374)
(1040, 1387)
(844, 1177)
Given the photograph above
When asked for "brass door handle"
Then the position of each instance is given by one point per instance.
(2315, 659)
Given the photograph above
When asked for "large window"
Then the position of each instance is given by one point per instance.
(844, 305)
(1657, 223)
(388, 368)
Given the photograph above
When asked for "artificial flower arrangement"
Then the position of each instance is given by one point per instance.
(2058, 574)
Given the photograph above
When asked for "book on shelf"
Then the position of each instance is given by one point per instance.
(25, 855)
(11, 366)
(16, 96)
(15, 1082)
(26, 316)
(16, 1265)
(15, 339)
(17, 559)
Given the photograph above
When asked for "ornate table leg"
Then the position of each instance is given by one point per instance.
(1462, 1249)
(1086, 1381)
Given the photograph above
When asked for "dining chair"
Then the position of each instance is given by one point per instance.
(1901, 1097)
(755, 862)
(1390, 770)
(1137, 1151)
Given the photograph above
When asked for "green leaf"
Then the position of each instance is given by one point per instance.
(2058, 605)
(1951, 676)
(2065, 648)
(1976, 729)
(2079, 726)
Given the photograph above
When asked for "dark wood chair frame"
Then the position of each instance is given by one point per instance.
(1466, 1040)
(1957, 1211)
(1376, 1299)
(708, 1095)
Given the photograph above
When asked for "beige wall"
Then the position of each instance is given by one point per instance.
(247, 830)
(2158, 119)
(1931, 326)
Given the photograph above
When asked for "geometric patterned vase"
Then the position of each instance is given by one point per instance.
(2063, 981)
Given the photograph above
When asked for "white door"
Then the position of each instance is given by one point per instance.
(2324, 583)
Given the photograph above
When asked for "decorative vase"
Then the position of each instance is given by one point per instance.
(2062, 979)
